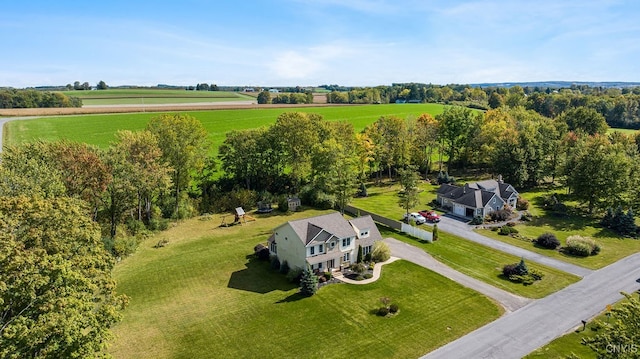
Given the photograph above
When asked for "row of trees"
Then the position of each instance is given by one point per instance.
(33, 98)
(599, 169)
(142, 176)
(265, 97)
(619, 107)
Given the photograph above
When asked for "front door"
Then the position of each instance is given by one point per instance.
(331, 264)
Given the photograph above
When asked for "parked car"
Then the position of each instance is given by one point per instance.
(415, 217)
(430, 216)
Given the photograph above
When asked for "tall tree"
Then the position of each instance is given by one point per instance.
(185, 145)
(150, 175)
(365, 155)
(27, 170)
(598, 173)
(264, 97)
(457, 125)
(425, 141)
(57, 297)
(391, 142)
(296, 134)
(586, 120)
(409, 197)
(335, 171)
(82, 169)
(120, 195)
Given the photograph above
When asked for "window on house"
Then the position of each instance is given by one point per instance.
(345, 257)
(274, 249)
(346, 242)
(319, 265)
(320, 248)
(312, 250)
(333, 244)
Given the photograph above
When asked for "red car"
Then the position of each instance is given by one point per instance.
(431, 216)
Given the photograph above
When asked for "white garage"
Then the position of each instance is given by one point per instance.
(458, 210)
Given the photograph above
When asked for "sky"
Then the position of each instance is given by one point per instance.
(315, 42)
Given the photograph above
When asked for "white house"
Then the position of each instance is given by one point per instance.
(325, 242)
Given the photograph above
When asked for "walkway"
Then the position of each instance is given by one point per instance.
(509, 301)
(461, 229)
(523, 331)
(377, 268)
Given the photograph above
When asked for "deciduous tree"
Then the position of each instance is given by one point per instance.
(185, 145)
(57, 297)
(409, 196)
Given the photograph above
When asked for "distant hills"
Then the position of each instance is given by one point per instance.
(559, 84)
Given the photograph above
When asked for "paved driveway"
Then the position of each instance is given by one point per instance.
(461, 229)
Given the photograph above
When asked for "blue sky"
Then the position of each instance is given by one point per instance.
(314, 42)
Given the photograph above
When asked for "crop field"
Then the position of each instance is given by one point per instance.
(152, 96)
(204, 296)
(100, 129)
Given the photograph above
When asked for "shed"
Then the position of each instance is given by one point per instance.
(293, 203)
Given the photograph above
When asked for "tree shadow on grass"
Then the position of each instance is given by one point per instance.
(257, 277)
(292, 298)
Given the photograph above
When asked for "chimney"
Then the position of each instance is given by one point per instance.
(500, 179)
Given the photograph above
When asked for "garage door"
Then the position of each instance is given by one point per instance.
(458, 210)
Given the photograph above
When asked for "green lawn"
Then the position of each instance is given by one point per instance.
(383, 199)
(201, 296)
(613, 247)
(485, 264)
(626, 131)
(100, 129)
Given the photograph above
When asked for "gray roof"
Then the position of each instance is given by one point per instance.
(364, 223)
(322, 228)
(478, 194)
(504, 190)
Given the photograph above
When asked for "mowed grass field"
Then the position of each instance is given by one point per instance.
(202, 296)
(100, 129)
(153, 96)
(384, 199)
(485, 264)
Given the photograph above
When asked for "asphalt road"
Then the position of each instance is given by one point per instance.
(523, 331)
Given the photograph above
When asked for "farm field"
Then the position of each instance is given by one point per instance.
(203, 294)
(152, 96)
(485, 264)
(100, 129)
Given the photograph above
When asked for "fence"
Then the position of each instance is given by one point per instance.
(397, 225)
